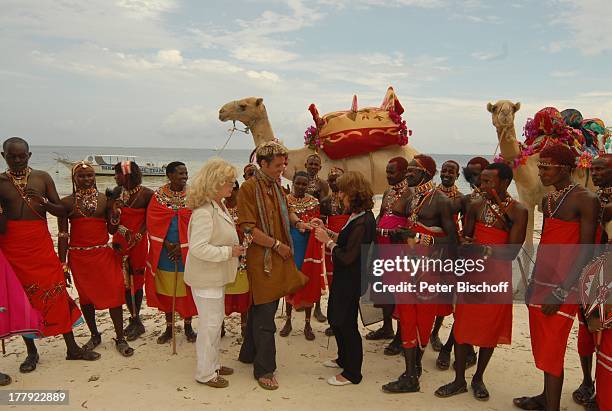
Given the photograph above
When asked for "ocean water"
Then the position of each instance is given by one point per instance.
(44, 158)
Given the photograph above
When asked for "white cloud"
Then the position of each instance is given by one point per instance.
(492, 56)
(587, 23)
(563, 73)
(146, 8)
(171, 57)
(263, 75)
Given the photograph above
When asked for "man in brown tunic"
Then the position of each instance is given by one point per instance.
(263, 211)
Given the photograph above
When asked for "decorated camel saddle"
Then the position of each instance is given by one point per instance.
(342, 134)
(586, 137)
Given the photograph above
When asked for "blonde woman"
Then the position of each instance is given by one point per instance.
(211, 263)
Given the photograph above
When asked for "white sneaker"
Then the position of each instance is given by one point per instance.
(334, 381)
(331, 364)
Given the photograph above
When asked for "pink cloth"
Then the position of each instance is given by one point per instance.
(16, 314)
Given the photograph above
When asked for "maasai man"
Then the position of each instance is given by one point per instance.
(570, 217)
(131, 239)
(95, 266)
(237, 296)
(263, 210)
(387, 225)
(449, 172)
(17, 317)
(471, 172)
(27, 195)
(249, 171)
(307, 254)
(493, 220)
(601, 169)
(332, 209)
(167, 222)
(429, 215)
(319, 189)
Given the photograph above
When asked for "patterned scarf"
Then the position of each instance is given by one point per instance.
(265, 183)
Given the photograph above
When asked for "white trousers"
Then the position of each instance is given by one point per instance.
(211, 311)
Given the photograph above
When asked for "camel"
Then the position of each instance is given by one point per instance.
(251, 111)
(528, 184)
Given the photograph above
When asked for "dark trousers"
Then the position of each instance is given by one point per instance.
(348, 339)
(259, 347)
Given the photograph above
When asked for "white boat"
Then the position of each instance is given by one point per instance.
(103, 164)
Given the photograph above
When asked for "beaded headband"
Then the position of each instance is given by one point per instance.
(335, 171)
(548, 164)
(80, 164)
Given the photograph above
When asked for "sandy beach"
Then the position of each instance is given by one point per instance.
(154, 378)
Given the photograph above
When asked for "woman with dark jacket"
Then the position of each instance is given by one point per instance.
(346, 248)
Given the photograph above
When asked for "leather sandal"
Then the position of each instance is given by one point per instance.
(267, 386)
(165, 337)
(479, 389)
(529, 403)
(380, 334)
(225, 370)
(29, 364)
(216, 382)
(5, 379)
(123, 347)
(451, 389)
(583, 394)
(308, 332)
(443, 361)
(83, 355)
(286, 329)
(191, 335)
(94, 341)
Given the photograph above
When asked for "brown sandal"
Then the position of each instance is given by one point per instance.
(217, 382)
(225, 370)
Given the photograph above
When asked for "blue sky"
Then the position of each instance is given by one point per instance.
(155, 72)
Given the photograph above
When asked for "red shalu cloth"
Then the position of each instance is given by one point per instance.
(133, 219)
(28, 247)
(312, 267)
(237, 303)
(335, 224)
(416, 320)
(159, 218)
(549, 334)
(486, 325)
(603, 372)
(17, 317)
(97, 272)
(586, 340)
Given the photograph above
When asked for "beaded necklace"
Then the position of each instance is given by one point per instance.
(336, 205)
(493, 212)
(557, 196)
(126, 195)
(450, 192)
(421, 193)
(313, 187)
(171, 199)
(86, 201)
(303, 204)
(394, 194)
(605, 197)
(19, 178)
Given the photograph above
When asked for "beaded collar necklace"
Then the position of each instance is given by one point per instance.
(421, 193)
(394, 194)
(450, 192)
(86, 201)
(171, 199)
(557, 197)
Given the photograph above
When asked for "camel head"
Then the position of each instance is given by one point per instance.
(503, 113)
(247, 110)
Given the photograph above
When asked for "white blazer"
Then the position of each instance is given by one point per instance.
(212, 233)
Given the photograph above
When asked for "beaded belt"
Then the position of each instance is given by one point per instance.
(93, 247)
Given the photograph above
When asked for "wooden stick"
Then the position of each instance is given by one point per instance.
(3, 348)
(174, 308)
